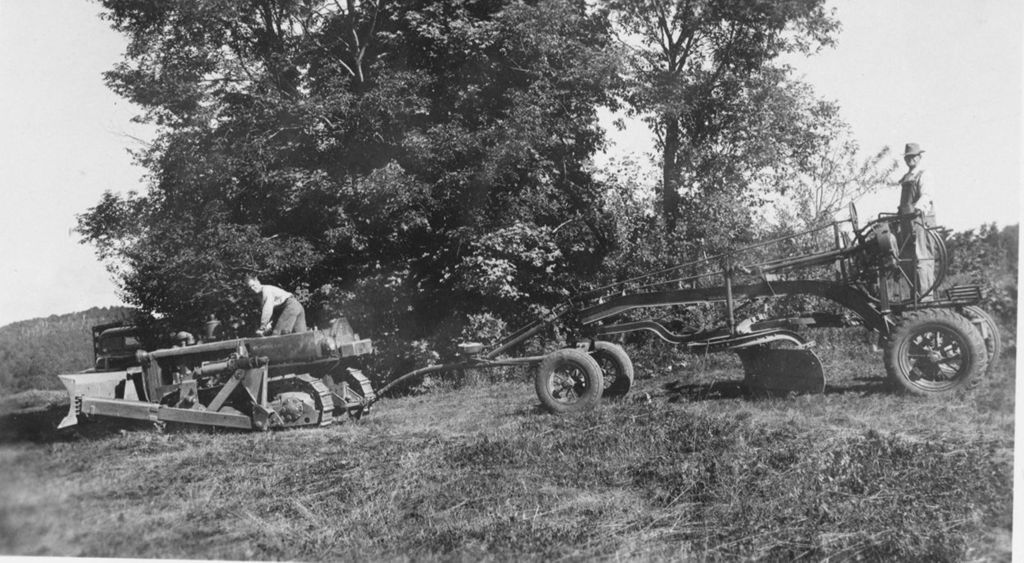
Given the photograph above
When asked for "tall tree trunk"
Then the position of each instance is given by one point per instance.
(670, 173)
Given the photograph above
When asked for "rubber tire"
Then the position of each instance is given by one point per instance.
(571, 358)
(618, 382)
(994, 344)
(972, 351)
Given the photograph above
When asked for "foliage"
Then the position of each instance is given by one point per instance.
(424, 158)
(982, 252)
(484, 328)
(643, 245)
(988, 257)
(33, 352)
(830, 180)
(727, 116)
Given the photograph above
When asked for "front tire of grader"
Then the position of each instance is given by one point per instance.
(568, 381)
(935, 352)
(616, 368)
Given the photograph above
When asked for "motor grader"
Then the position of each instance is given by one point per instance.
(935, 340)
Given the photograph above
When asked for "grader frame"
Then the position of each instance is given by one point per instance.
(932, 343)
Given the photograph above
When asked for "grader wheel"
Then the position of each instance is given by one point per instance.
(568, 381)
(989, 330)
(935, 352)
(616, 368)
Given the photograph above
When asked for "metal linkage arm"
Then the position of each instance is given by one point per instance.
(842, 294)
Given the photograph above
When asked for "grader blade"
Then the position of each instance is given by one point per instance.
(778, 371)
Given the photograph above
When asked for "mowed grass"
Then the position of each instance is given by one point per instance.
(685, 469)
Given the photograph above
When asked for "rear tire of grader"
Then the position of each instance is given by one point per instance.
(935, 352)
(989, 330)
(616, 368)
(568, 381)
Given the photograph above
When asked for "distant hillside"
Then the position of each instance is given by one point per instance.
(33, 352)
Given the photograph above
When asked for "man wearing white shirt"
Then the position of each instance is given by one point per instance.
(279, 309)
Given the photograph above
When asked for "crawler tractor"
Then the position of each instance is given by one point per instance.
(304, 379)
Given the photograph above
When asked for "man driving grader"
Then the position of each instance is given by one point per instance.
(915, 208)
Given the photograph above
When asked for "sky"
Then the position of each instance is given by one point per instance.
(945, 74)
(942, 73)
(64, 139)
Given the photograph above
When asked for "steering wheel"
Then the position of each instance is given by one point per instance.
(855, 223)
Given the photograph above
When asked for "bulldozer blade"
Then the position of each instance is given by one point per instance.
(101, 385)
(778, 371)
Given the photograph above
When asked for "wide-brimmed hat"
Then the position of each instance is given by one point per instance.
(912, 149)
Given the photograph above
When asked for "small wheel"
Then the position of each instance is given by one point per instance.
(935, 352)
(616, 368)
(568, 380)
(989, 330)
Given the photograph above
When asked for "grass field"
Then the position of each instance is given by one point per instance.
(686, 468)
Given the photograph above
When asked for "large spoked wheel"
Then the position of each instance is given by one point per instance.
(568, 381)
(934, 352)
(986, 325)
(616, 368)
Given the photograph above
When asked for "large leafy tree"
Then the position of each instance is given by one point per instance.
(706, 77)
(402, 161)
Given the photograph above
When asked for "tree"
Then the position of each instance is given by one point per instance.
(704, 78)
(403, 161)
(989, 258)
(829, 180)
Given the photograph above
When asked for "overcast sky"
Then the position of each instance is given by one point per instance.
(942, 73)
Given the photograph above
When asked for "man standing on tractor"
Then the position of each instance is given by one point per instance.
(279, 310)
(917, 261)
